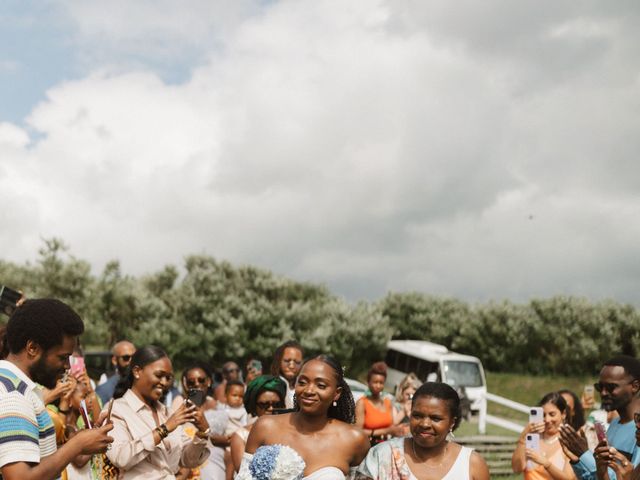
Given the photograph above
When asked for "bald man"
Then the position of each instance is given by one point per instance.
(120, 359)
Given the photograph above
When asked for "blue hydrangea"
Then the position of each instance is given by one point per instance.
(264, 462)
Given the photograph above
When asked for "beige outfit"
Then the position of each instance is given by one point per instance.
(134, 451)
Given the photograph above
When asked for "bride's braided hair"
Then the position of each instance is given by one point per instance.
(345, 408)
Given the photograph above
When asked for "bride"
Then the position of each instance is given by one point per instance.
(318, 439)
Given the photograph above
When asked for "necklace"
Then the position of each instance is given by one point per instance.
(415, 454)
(553, 440)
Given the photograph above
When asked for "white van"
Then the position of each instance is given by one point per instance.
(433, 362)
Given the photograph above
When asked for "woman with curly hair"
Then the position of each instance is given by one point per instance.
(317, 440)
(375, 413)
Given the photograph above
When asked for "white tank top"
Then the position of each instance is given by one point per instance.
(460, 468)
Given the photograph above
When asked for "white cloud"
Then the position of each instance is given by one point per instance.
(374, 145)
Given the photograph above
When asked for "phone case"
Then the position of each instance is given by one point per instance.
(532, 442)
(600, 431)
(536, 415)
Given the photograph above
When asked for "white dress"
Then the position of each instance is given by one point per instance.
(288, 465)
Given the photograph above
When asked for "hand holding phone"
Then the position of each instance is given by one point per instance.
(532, 442)
(196, 397)
(536, 419)
(77, 365)
(9, 299)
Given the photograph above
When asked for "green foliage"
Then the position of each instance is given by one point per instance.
(214, 311)
(560, 335)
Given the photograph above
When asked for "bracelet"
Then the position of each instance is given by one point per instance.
(163, 431)
(203, 434)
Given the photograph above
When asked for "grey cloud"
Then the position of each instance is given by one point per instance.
(477, 150)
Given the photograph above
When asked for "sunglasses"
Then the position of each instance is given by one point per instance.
(295, 362)
(607, 387)
(126, 358)
(267, 405)
(192, 382)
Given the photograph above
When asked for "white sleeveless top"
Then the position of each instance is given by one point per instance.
(387, 461)
(460, 468)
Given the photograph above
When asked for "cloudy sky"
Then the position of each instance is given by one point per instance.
(476, 149)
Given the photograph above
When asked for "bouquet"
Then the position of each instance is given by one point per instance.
(272, 462)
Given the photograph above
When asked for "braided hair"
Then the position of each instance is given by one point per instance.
(143, 357)
(345, 408)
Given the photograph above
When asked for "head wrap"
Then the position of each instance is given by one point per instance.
(263, 383)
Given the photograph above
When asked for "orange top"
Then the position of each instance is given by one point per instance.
(375, 418)
(555, 455)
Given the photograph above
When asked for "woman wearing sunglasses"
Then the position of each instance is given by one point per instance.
(197, 379)
(197, 376)
(263, 395)
(287, 362)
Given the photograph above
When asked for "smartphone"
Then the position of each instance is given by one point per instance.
(8, 299)
(588, 396)
(197, 397)
(255, 365)
(77, 365)
(536, 415)
(108, 420)
(85, 414)
(600, 431)
(532, 442)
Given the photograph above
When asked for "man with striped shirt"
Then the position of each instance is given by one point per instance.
(38, 340)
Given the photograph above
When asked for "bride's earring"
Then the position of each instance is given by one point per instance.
(335, 404)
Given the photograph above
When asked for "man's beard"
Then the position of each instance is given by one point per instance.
(44, 375)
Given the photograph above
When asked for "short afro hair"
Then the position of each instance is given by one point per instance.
(630, 364)
(44, 321)
(444, 392)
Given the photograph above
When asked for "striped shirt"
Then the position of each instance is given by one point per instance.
(26, 429)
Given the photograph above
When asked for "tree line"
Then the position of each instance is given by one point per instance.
(212, 310)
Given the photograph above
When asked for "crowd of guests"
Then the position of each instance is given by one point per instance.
(571, 447)
(298, 420)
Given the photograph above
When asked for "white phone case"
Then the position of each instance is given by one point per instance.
(536, 415)
(532, 442)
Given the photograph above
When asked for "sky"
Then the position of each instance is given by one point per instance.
(482, 150)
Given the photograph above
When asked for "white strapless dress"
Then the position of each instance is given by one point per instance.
(280, 462)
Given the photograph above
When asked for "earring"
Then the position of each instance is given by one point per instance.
(335, 404)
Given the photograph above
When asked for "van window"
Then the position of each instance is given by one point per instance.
(425, 368)
(392, 359)
(462, 374)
